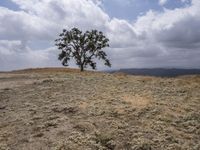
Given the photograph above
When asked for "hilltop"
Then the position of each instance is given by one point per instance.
(62, 109)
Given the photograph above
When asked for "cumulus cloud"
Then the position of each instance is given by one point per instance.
(39, 22)
(156, 39)
(172, 28)
(16, 55)
(165, 39)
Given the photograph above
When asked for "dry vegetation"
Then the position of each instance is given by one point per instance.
(63, 109)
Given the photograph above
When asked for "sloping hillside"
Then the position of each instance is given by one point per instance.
(62, 109)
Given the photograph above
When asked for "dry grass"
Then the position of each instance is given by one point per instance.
(137, 100)
(62, 109)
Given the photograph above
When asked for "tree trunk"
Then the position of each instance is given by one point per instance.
(82, 68)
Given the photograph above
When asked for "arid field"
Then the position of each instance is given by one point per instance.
(64, 109)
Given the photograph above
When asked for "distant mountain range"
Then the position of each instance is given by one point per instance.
(158, 72)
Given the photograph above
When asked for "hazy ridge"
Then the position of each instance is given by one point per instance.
(159, 72)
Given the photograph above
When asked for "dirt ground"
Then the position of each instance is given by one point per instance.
(63, 109)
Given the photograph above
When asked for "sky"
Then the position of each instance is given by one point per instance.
(142, 33)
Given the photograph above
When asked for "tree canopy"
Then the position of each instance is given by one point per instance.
(82, 47)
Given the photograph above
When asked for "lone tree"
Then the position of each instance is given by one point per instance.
(82, 47)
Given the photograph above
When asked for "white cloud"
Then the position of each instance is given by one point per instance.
(14, 54)
(164, 39)
(40, 21)
(156, 39)
(162, 2)
(173, 28)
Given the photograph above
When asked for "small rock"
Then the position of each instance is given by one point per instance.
(2, 107)
(39, 135)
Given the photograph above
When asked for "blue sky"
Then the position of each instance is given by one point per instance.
(131, 9)
(9, 4)
(142, 33)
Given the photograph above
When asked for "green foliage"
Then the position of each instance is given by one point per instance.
(82, 47)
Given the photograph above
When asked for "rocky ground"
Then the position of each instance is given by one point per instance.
(63, 109)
